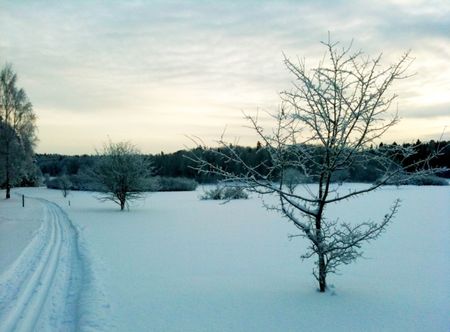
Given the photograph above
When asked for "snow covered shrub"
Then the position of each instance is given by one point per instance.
(234, 193)
(176, 184)
(423, 180)
(82, 181)
(292, 178)
(214, 193)
(221, 192)
(430, 181)
(52, 183)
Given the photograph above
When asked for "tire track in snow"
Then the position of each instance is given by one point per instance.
(41, 290)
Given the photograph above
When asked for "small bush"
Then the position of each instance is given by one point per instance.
(175, 184)
(221, 192)
(234, 193)
(53, 183)
(423, 180)
(84, 182)
(214, 194)
(72, 182)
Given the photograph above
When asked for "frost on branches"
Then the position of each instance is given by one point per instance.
(326, 123)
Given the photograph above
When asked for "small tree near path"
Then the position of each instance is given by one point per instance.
(121, 173)
(65, 185)
(326, 123)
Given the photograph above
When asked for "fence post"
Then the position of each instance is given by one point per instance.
(23, 200)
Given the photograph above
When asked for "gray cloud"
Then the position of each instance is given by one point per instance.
(103, 56)
(434, 111)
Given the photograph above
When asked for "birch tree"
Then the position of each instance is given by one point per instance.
(326, 122)
(17, 130)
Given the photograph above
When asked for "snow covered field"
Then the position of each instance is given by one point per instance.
(175, 263)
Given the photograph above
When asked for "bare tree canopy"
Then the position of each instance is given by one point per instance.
(17, 130)
(64, 184)
(122, 173)
(326, 123)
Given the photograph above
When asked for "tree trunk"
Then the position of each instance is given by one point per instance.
(122, 205)
(7, 180)
(322, 269)
(322, 274)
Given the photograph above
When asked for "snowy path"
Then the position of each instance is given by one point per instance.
(40, 291)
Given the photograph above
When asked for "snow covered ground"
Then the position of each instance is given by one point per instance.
(175, 263)
(17, 227)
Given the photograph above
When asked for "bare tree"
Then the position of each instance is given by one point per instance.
(121, 173)
(326, 122)
(65, 184)
(17, 129)
(292, 178)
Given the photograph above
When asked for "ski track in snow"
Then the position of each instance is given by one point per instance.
(41, 290)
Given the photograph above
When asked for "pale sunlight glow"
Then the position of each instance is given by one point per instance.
(154, 72)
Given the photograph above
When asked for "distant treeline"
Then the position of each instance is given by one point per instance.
(178, 164)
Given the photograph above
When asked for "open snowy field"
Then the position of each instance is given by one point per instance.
(176, 263)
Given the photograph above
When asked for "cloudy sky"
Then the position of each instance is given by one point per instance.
(153, 72)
